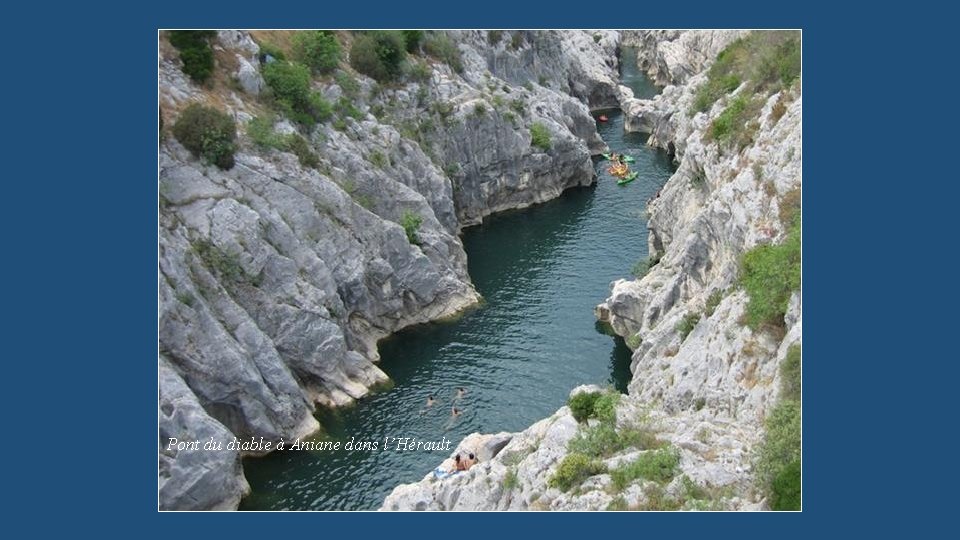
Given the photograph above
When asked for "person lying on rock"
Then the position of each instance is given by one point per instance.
(470, 461)
(460, 464)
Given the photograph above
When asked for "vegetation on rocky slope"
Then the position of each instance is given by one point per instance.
(318, 49)
(779, 468)
(770, 273)
(195, 52)
(765, 62)
(208, 134)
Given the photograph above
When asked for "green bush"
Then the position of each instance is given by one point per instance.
(711, 91)
(687, 324)
(778, 467)
(440, 46)
(790, 208)
(643, 266)
(411, 221)
(581, 405)
(318, 49)
(790, 387)
(493, 36)
(419, 72)
(715, 298)
(603, 440)
(378, 159)
(349, 85)
(540, 136)
(301, 148)
(732, 121)
(379, 54)
(781, 444)
(770, 273)
(290, 84)
(605, 406)
(224, 265)
(618, 504)
(344, 107)
(261, 132)
(516, 40)
(633, 341)
(267, 49)
(208, 134)
(510, 480)
(573, 470)
(195, 52)
(657, 465)
(412, 39)
(785, 492)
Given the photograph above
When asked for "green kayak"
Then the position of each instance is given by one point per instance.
(628, 178)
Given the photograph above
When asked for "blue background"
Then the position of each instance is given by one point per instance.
(79, 268)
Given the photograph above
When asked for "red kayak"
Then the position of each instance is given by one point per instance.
(602, 118)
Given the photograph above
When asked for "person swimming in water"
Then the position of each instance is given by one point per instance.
(461, 391)
(455, 412)
(430, 400)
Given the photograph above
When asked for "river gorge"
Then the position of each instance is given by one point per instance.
(458, 228)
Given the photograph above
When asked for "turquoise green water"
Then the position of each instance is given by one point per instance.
(541, 271)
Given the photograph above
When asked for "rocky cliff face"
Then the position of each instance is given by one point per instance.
(672, 57)
(705, 390)
(276, 280)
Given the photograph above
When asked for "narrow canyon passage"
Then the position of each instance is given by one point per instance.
(541, 270)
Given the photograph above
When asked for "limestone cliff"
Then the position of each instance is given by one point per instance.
(703, 381)
(276, 279)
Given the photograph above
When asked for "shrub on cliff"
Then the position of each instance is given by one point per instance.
(412, 39)
(540, 136)
(261, 131)
(379, 54)
(687, 324)
(581, 405)
(781, 444)
(411, 221)
(208, 133)
(737, 124)
(290, 84)
(195, 52)
(778, 467)
(657, 465)
(785, 492)
(790, 385)
(643, 266)
(443, 48)
(770, 273)
(573, 470)
(318, 49)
